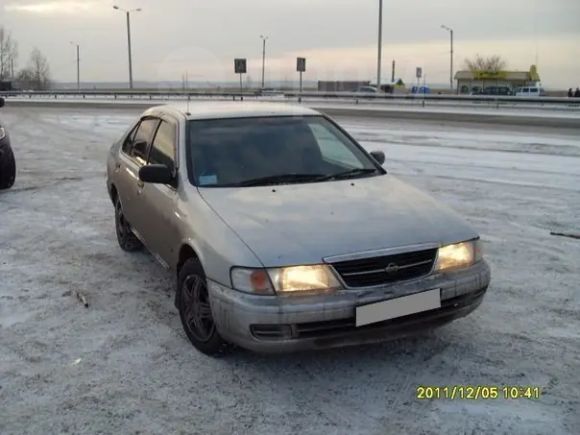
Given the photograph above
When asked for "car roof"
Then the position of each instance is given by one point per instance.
(232, 109)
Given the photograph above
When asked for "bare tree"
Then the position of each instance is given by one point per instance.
(37, 75)
(40, 70)
(488, 64)
(25, 79)
(8, 54)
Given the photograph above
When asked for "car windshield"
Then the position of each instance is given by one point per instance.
(273, 150)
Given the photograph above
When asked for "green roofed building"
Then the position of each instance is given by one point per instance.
(469, 82)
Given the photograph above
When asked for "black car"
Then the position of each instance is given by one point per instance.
(7, 162)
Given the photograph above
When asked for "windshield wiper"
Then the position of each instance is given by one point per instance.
(281, 179)
(348, 174)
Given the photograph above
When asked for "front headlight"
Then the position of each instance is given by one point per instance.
(296, 279)
(459, 255)
(317, 278)
(2, 133)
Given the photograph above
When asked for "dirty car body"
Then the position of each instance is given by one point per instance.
(294, 237)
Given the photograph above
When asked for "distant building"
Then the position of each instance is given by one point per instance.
(475, 81)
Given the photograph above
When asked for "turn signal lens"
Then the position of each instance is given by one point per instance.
(251, 281)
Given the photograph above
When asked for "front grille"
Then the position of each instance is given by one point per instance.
(374, 271)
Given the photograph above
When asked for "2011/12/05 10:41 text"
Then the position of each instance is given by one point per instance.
(478, 392)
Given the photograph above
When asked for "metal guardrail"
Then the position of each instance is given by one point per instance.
(121, 93)
(438, 97)
(355, 97)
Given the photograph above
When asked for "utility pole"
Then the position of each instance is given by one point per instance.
(380, 54)
(78, 68)
(78, 65)
(450, 30)
(393, 72)
(130, 54)
(264, 39)
(128, 13)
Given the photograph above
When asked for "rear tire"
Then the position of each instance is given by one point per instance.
(127, 240)
(194, 307)
(7, 167)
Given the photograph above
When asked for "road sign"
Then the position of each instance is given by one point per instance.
(240, 66)
(419, 72)
(301, 64)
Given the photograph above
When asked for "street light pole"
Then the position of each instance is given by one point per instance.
(130, 54)
(380, 54)
(264, 39)
(78, 66)
(450, 30)
(128, 13)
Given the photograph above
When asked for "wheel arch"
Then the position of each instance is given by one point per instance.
(113, 194)
(186, 252)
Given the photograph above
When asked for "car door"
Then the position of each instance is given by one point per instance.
(132, 157)
(157, 202)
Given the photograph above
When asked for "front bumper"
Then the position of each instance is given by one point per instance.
(289, 323)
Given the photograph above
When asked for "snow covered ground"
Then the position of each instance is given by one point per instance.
(124, 365)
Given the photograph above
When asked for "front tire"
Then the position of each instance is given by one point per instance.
(194, 307)
(127, 240)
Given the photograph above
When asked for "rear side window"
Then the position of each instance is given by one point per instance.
(163, 149)
(128, 144)
(138, 147)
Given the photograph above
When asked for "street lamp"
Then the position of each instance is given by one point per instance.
(450, 30)
(380, 55)
(264, 39)
(128, 12)
(78, 65)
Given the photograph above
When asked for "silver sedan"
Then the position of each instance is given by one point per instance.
(284, 233)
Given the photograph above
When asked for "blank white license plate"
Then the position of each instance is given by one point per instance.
(391, 309)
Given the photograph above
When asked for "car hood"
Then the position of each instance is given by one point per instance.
(305, 223)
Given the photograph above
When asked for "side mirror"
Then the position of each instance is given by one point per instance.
(1, 102)
(379, 156)
(156, 174)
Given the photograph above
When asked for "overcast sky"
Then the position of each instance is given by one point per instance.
(339, 37)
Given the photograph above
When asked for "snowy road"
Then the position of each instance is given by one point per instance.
(124, 365)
